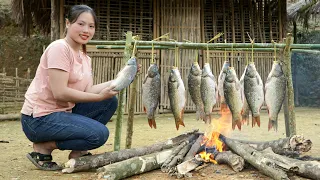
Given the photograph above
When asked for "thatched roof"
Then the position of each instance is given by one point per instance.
(30, 13)
(302, 11)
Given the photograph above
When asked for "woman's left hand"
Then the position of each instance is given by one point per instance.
(139, 68)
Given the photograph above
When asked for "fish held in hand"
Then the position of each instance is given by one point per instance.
(151, 90)
(232, 93)
(275, 90)
(194, 82)
(126, 75)
(254, 94)
(177, 96)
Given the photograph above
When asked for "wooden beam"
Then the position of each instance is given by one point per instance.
(55, 31)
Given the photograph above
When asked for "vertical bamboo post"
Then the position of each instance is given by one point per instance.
(122, 95)
(290, 120)
(132, 103)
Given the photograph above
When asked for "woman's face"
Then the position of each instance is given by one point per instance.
(82, 30)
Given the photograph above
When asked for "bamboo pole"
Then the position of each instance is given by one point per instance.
(132, 102)
(186, 45)
(122, 95)
(290, 120)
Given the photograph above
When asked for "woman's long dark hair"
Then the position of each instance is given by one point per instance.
(75, 12)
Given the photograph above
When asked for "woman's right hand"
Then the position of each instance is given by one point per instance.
(108, 92)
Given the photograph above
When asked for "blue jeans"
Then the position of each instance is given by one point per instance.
(81, 130)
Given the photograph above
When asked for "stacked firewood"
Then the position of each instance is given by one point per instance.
(179, 156)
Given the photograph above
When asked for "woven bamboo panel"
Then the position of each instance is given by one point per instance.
(117, 17)
(259, 18)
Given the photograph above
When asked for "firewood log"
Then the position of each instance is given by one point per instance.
(133, 166)
(95, 161)
(194, 149)
(233, 160)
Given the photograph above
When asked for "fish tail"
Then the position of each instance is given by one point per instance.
(236, 122)
(256, 120)
(200, 114)
(207, 118)
(223, 107)
(152, 123)
(273, 124)
(179, 120)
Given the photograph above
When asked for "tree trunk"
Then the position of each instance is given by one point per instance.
(55, 30)
(99, 160)
(233, 160)
(133, 166)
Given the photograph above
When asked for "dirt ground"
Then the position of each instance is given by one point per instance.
(15, 166)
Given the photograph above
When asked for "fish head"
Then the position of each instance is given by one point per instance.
(276, 69)
(231, 75)
(225, 66)
(132, 62)
(195, 69)
(251, 70)
(206, 71)
(174, 75)
(153, 70)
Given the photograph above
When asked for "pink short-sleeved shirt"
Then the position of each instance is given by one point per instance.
(39, 100)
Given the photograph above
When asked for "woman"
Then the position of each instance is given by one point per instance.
(63, 109)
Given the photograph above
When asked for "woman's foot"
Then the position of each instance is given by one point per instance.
(75, 154)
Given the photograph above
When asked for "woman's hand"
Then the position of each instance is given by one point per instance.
(139, 68)
(108, 92)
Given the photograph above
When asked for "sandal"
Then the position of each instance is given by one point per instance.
(47, 165)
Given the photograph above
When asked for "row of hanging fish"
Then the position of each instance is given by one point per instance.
(248, 94)
(241, 97)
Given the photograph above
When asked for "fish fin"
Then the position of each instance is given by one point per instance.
(152, 122)
(273, 124)
(179, 121)
(144, 109)
(145, 79)
(207, 119)
(255, 120)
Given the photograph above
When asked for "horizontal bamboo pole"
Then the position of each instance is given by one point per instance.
(187, 45)
(138, 47)
(306, 51)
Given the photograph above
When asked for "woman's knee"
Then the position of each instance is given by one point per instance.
(113, 103)
(102, 137)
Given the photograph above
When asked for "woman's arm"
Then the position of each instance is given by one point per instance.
(96, 89)
(58, 80)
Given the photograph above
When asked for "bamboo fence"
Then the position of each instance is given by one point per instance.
(12, 90)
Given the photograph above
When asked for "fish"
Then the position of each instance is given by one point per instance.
(275, 90)
(222, 75)
(177, 96)
(253, 91)
(245, 107)
(151, 90)
(208, 90)
(126, 75)
(232, 93)
(194, 82)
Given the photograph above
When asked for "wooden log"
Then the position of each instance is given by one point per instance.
(178, 159)
(257, 159)
(133, 166)
(9, 116)
(194, 149)
(165, 166)
(289, 146)
(308, 169)
(95, 161)
(233, 160)
(308, 158)
(189, 165)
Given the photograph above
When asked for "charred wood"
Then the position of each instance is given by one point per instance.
(194, 149)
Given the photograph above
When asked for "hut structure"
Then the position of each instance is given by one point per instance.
(191, 20)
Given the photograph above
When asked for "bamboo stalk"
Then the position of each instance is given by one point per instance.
(290, 121)
(122, 95)
(211, 45)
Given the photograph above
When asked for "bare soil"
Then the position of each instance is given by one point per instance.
(15, 166)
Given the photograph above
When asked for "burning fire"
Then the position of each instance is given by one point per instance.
(211, 138)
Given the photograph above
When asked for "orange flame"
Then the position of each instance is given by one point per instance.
(211, 137)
